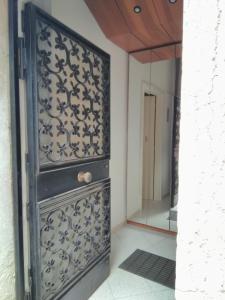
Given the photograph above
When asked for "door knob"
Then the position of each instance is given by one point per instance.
(84, 177)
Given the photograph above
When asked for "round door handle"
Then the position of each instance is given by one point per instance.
(84, 177)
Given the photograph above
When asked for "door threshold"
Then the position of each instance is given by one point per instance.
(169, 232)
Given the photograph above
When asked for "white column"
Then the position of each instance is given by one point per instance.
(201, 206)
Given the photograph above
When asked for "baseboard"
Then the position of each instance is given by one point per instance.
(145, 226)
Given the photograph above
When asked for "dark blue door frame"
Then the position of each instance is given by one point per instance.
(16, 149)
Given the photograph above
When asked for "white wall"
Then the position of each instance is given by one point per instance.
(7, 251)
(162, 85)
(201, 205)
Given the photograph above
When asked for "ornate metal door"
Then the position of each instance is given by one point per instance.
(68, 117)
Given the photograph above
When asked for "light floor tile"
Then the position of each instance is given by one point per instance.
(155, 287)
(103, 293)
(166, 248)
(163, 295)
(124, 285)
(128, 239)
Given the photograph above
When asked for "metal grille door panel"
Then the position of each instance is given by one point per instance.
(72, 95)
(74, 231)
(68, 127)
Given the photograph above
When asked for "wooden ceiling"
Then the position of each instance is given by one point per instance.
(157, 54)
(158, 24)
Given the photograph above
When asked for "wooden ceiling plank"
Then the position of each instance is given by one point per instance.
(107, 14)
(145, 25)
(146, 56)
(125, 20)
(166, 52)
(170, 17)
(127, 42)
(158, 54)
(149, 8)
(158, 23)
(112, 24)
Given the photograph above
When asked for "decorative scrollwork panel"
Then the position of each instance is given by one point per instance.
(73, 97)
(72, 236)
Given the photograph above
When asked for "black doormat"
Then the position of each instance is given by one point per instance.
(152, 267)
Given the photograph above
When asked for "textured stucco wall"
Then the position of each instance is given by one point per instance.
(7, 264)
(201, 207)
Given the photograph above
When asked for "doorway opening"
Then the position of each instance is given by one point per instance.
(154, 98)
(153, 141)
(155, 205)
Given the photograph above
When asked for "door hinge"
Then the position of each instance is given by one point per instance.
(22, 58)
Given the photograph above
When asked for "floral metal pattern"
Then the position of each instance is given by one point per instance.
(73, 234)
(73, 97)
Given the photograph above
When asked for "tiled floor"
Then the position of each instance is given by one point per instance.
(126, 286)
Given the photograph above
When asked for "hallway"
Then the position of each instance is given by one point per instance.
(74, 75)
(127, 286)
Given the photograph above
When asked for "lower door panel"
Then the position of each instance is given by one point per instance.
(85, 287)
(74, 238)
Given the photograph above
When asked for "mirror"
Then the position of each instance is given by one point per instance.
(153, 137)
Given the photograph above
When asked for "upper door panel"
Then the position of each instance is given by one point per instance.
(71, 94)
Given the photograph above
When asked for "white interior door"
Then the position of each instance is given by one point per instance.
(149, 147)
